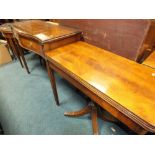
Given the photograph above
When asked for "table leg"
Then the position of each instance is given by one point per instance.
(21, 53)
(53, 83)
(94, 120)
(40, 59)
(13, 56)
(14, 51)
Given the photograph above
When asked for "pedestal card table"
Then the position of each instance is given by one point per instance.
(123, 87)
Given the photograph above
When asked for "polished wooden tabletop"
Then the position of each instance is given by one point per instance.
(130, 85)
(150, 61)
(44, 31)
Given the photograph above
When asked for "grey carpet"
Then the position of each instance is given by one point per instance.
(27, 104)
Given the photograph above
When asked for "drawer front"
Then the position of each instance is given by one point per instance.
(35, 46)
(30, 44)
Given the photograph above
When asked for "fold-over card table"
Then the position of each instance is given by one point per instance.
(123, 87)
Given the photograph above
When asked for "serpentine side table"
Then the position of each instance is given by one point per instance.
(41, 36)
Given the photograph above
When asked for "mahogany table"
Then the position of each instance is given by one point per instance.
(123, 87)
(40, 36)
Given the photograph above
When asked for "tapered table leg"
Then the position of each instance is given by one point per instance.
(53, 83)
(20, 61)
(94, 120)
(44, 62)
(40, 59)
(20, 50)
(14, 50)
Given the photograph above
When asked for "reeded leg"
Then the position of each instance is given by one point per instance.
(53, 84)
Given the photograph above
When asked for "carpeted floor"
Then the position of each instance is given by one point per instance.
(27, 104)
